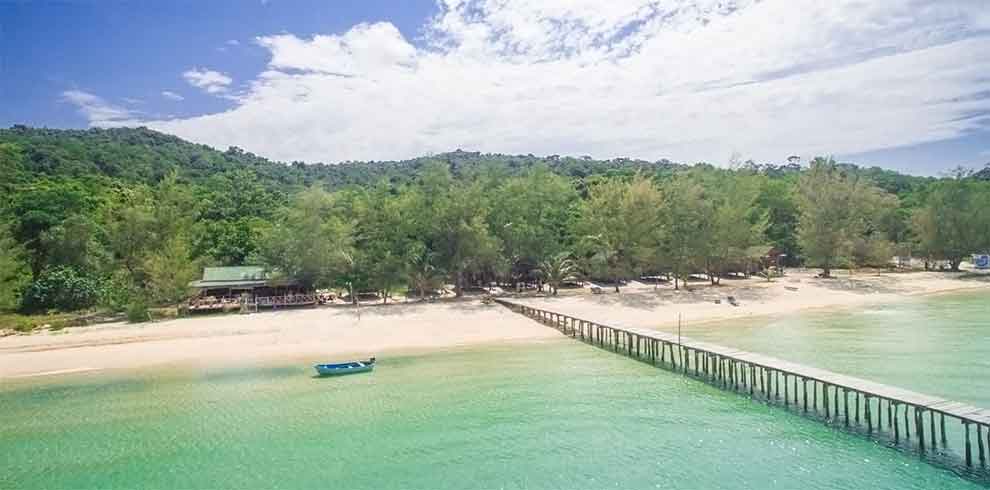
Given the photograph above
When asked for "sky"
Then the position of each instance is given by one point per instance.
(902, 84)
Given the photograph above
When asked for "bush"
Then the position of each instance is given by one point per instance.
(117, 292)
(137, 312)
(60, 288)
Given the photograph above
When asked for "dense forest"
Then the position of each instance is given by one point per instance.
(124, 218)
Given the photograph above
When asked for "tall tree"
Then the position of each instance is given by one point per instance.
(43, 205)
(882, 226)
(834, 212)
(386, 238)
(777, 200)
(169, 270)
(619, 227)
(131, 230)
(453, 219)
(687, 218)
(737, 225)
(533, 218)
(953, 221)
(311, 242)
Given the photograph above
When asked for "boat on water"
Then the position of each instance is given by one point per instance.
(352, 367)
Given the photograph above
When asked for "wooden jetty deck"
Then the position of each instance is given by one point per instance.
(787, 383)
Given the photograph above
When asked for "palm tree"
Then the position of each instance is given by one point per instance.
(557, 269)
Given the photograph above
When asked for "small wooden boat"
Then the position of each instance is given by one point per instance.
(352, 367)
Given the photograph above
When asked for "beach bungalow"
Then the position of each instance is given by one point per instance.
(246, 288)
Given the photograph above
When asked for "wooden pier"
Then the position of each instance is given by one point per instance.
(907, 417)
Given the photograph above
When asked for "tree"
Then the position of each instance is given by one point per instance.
(311, 242)
(556, 270)
(75, 243)
(952, 223)
(777, 201)
(169, 271)
(131, 230)
(39, 207)
(11, 167)
(533, 218)
(687, 218)
(386, 236)
(423, 275)
(834, 211)
(736, 225)
(232, 207)
(174, 208)
(228, 242)
(452, 220)
(881, 227)
(618, 227)
(14, 273)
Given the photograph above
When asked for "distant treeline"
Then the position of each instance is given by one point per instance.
(122, 217)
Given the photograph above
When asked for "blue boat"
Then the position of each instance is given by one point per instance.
(352, 367)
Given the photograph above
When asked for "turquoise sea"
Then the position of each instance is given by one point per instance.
(557, 414)
(937, 345)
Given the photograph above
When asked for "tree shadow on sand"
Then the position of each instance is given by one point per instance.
(468, 304)
(865, 285)
(651, 300)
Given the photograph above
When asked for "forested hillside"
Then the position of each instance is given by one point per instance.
(124, 217)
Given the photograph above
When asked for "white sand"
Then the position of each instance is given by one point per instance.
(309, 335)
(314, 335)
(642, 306)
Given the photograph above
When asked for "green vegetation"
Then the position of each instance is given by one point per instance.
(123, 219)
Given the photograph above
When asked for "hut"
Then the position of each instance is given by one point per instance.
(246, 287)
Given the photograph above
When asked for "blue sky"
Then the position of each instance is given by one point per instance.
(900, 84)
(135, 50)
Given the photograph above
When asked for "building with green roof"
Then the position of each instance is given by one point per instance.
(246, 284)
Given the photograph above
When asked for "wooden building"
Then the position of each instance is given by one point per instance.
(246, 288)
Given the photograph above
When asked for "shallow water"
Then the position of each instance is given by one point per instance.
(937, 345)
(557, 414)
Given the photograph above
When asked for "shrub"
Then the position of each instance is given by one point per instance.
(137, 311)
(60, 288)
(117, 292)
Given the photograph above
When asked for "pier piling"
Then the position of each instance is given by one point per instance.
(729, 368)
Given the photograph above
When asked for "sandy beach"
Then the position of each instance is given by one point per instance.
(331, 333)
(309, 335)
(641, 305)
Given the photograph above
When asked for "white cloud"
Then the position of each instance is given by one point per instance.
(213, 82)
(98, 111)
(168, 94)
(233, 42)
(686, 79)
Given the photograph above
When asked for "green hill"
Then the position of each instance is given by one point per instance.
(113, 216)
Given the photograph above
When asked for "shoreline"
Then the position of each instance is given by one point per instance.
(850, 306)
(326, 334)
(318, 335)
(645, 307)
(182, 368)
